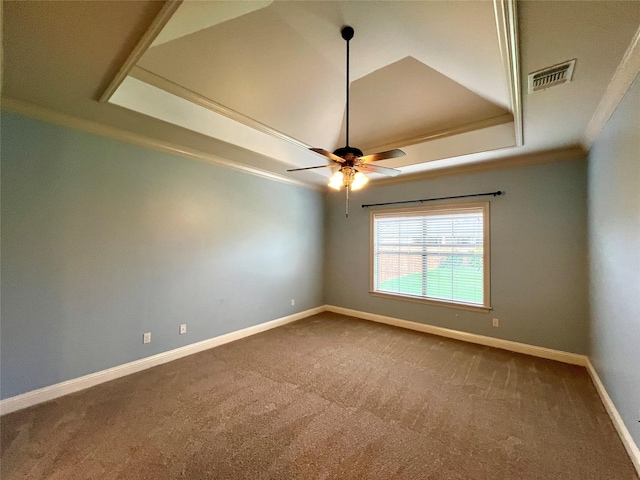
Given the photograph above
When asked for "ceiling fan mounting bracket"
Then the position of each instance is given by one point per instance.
(347, 32)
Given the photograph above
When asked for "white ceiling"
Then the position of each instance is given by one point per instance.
(257, 82)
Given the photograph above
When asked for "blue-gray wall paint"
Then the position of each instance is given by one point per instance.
(614, 239)
(103, 241)
(538, 254)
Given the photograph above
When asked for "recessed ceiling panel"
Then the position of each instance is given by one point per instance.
(195, 15)
(259, 66)
(407, 100)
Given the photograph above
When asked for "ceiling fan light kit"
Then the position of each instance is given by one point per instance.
(349, 178)
(336, 180)
(351, 160)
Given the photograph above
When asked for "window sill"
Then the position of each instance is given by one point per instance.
(428, 301)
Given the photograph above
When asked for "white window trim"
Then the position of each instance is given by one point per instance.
(449, 208)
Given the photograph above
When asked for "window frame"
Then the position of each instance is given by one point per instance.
(450, 208)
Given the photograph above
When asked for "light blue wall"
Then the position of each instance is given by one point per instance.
(614, 238)
(538, 254)
(103, 241)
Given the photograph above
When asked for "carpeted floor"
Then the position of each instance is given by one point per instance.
(328, 397)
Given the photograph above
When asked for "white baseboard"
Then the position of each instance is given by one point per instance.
(566, 357)
(70, 386)
(54, 391)
(618, 423)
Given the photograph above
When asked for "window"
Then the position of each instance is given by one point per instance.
(434, 255)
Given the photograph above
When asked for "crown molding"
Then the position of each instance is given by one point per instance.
(623, 77)
(507, 30)
(449, 132)
(41, 113)
(51, 116)
(525, 160)
(168, 86)
(143, 44)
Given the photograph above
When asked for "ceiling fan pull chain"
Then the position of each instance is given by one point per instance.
(346, 206)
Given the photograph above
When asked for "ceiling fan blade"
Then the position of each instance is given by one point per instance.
(327, 154)
(389, 172)
(310, 168)
(395, 153)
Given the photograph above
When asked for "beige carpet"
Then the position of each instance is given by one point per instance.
(328, 397)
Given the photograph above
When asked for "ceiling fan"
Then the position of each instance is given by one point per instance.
(350, 160)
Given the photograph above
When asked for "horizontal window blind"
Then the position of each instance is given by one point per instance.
(433, 254)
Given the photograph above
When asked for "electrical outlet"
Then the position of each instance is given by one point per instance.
(293, 302)
(146, 338)
(183, 329)
(496, 322)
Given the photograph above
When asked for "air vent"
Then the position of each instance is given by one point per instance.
(551, 76)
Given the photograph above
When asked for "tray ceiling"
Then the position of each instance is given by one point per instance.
(252, 84)
(420, 72)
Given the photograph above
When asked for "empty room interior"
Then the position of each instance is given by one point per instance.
(320, 239)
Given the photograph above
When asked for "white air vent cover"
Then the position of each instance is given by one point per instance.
(551, 76)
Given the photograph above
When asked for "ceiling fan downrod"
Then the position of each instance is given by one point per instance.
(347, 33)
(350, 160)
(347, 151)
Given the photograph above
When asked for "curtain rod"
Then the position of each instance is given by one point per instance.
(422, 200)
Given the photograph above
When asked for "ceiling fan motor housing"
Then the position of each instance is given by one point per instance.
(348, 152)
